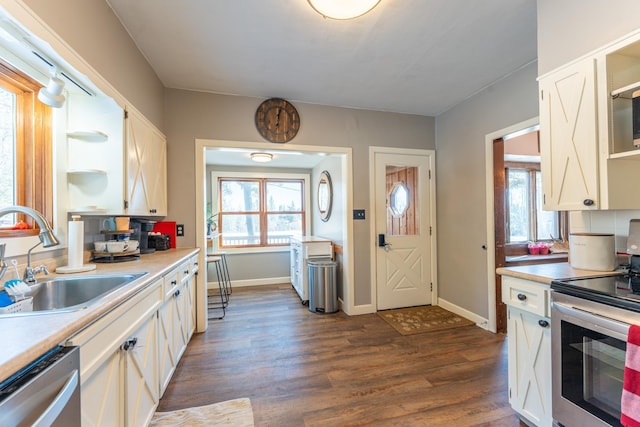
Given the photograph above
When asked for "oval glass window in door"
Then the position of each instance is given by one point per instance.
(399, 199)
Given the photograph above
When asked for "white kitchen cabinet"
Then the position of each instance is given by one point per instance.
(588, 160)
(529, 349)
(302, 250)
(146, 167)
(568, 138)
(176, 319)
(89, 155)
(119, 363)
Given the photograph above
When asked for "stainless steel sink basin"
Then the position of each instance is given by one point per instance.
(74, 293)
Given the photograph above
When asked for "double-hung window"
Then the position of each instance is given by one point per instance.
(526, 221)
(25, 150)
(260, 211)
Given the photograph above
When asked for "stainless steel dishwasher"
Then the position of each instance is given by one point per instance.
(44, 393)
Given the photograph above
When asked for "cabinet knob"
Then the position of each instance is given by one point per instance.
(588, 202)
(176, 293)
(129, 344)
(543, 323)
(522, 297)
(174, 282)
(152, 211)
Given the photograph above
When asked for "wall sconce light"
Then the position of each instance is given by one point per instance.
(52, 94)
(342, 9)
(261, 157)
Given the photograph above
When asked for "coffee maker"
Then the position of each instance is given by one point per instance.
(141, 229)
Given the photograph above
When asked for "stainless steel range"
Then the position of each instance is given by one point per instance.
(590, 320)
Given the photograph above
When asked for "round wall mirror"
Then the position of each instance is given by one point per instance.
(325, 196)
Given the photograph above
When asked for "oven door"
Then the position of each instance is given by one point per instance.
(588, 354)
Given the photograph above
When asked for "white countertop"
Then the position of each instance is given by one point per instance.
(546, 273)
(27, 337)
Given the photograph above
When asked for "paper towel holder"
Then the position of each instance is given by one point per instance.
(67, 269)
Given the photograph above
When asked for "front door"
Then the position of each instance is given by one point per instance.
(403, 206)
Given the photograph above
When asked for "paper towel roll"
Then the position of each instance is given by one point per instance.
(76, 242)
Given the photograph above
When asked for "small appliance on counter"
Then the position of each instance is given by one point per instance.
(592, 251)
(141, 229)
(159, 241)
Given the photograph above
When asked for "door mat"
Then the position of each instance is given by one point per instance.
(232, 413)
(425, 318)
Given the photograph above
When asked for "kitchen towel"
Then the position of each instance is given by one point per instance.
(630, 403)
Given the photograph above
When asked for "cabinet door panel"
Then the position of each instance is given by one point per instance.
(146, 168)
(568, 138)
(141, 379)
(168, 357)
(530, 366)
(101, 391)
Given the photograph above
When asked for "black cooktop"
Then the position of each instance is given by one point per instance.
(622, 290)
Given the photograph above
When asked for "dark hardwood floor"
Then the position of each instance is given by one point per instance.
(305, 369)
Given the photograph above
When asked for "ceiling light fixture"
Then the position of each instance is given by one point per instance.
(52, 94)
(261, 157)
(342, 9)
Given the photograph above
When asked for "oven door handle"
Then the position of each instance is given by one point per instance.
(606, 325)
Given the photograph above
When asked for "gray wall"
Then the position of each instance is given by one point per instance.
(91, 28)
(568, 29)
(192, 115)
(461, 201)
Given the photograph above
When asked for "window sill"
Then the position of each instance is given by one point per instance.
(535, 259)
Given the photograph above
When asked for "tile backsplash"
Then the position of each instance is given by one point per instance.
(616, 222)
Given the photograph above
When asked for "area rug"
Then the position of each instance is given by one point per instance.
(425, 318)
(232, 413)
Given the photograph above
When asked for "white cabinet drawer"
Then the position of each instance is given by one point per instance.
(171, 282)
(526, 295)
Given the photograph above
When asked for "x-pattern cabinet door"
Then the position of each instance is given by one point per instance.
(529, 340)
(146, 168)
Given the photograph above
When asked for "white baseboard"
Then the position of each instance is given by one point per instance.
(361, 309)
(254, 282)
(481, 322)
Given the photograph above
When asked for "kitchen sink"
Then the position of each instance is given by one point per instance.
(74, 293)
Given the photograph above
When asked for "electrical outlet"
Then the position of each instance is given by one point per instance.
(358, 214)
(180, 230)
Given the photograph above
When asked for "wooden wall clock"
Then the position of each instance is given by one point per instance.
(277, 120)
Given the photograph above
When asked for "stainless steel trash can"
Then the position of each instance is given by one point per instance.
(323, 293)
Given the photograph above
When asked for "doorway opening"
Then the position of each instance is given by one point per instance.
(517, 226)
(344, 199)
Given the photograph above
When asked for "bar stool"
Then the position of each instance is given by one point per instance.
(225, 269)
(212, 303)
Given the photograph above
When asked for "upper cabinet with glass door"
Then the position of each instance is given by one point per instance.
(586, 143)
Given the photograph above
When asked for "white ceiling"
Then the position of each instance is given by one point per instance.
(408, 56)
(281, 158)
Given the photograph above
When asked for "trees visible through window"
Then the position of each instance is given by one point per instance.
(526, 221)
(258, 212)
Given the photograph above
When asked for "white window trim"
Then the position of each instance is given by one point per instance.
(307, 202)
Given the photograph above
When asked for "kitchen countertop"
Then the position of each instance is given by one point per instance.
(27, 337)
(546, 273)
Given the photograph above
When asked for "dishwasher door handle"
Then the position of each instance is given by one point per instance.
(59, 402)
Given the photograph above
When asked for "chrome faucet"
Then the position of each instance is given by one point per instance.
(46, 236)
(3, 263)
